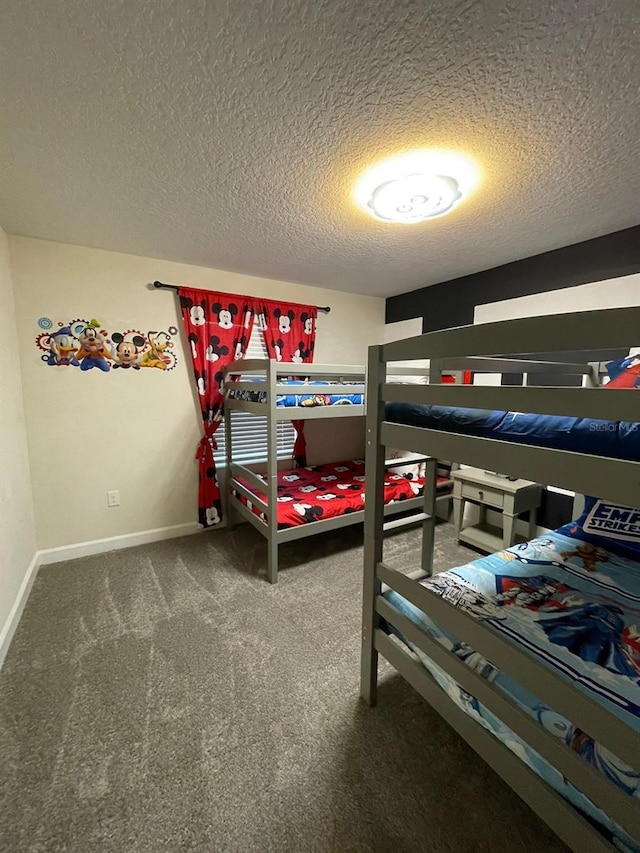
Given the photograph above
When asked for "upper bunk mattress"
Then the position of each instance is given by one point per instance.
(613, 439)
(307, 399)
(572, 604)
(326, 491)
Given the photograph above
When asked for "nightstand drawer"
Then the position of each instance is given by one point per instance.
(483, 495)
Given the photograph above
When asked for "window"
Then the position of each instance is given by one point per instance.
(250, 431)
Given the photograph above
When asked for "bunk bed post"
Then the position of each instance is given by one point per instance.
(429, 492)
(429, 523)
(272, 473)
(229, 462)
(591, 379)
(435, 371)
(373, 524)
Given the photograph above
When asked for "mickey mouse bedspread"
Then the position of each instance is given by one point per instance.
(325, 491)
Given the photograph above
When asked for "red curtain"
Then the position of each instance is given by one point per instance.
(218, 328)
(289, 332)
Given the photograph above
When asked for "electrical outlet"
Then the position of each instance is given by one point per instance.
(113, 498)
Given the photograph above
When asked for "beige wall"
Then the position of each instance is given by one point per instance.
(334, 440)
(17, 531)
(135, 431)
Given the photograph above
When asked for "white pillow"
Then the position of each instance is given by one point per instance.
(411, 470)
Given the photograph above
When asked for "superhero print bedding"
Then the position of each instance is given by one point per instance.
(325, 491)
(307, 399)
(573, 602)
(617, 527)
(625, 373)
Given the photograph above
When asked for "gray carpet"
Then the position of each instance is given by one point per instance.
(166, 698)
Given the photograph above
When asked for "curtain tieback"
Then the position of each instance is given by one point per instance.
(207, 442)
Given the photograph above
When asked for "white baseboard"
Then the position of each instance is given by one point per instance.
(114, 543)
(9, 627)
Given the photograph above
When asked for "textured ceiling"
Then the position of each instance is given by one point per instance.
(229, 134)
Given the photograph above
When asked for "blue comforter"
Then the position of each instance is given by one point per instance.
(613, 439)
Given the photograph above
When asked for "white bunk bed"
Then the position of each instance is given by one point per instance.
(443, 632)
(260, 387)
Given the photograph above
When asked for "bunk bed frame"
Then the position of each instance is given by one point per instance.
(479, 348)
(266, 376)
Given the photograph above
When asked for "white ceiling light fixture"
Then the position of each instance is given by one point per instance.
(415, 198)
(416, 186)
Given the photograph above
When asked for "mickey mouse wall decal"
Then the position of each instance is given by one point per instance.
(127, 352)
(85, 343)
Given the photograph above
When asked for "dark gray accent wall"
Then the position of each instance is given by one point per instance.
(452, 303)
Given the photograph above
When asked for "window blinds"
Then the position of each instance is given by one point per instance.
(250, 431)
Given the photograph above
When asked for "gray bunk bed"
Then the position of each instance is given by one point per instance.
(393, 631)
(258, 386)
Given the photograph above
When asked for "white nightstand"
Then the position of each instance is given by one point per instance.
(490, 492)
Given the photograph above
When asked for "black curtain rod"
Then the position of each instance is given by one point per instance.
(161, 286)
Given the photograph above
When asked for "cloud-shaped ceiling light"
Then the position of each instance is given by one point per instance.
(415, 198)
(416, 186)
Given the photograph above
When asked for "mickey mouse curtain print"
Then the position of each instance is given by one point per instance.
(289, 332)
(218, 328)
(289, 329)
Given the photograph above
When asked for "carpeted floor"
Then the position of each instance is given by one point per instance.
(166, 698)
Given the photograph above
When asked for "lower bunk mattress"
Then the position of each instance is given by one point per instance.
(325, 491)
(573, 605)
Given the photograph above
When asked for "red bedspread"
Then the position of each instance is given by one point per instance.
(325, 491)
